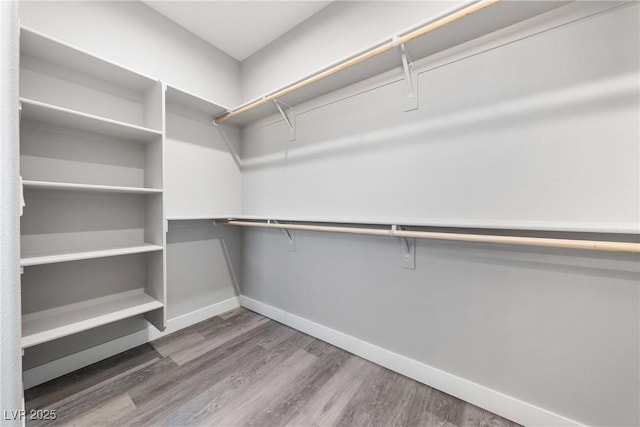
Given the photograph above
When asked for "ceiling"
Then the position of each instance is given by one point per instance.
(238, 28)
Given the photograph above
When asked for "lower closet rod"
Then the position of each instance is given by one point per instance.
(594, 245)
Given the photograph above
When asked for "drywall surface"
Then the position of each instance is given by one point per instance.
(203, 265)
(557, 329)
(330, 36)
(10, 357)
(135, 36)
(538, 133)
(202, 169)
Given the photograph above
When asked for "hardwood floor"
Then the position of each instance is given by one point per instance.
(242, 369)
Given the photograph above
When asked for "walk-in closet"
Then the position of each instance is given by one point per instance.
(320, 213)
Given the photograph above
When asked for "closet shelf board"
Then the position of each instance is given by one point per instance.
(51, 324)
(54, 257)
(50, 185)
(183, 99)
(62, 117)
(57, 52)
(209, 216)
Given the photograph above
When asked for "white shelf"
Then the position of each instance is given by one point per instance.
(48, 185)
(210, 216)
(50, 258)
(185, 100)
(57, 116)
(46, 48)
(48, 325)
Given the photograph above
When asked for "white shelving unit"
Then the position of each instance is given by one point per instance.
(92, 162)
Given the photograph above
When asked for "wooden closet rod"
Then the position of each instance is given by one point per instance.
(593, 245)
(475, 7)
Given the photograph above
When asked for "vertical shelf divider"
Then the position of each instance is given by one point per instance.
(155, 215)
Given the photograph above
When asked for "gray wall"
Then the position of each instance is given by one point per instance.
(555, 328)
(203, 265)
(539, 131)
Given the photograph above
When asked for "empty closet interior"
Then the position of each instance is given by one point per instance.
(450, 190)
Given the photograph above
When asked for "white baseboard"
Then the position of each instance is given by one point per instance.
(194, 317)
(479, 395)
(56, 368)
(48, 371)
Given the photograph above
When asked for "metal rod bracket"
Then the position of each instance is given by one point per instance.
(410, 77)
(230, 147)
(286, 117)
(408, 253)
(289, 234)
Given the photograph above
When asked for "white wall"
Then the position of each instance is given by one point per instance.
(203, 177)
(10, 356)
(540, 131)
(135, 36)
(328, 37)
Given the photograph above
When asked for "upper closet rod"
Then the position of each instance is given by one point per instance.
(594, 245)
(475, 7)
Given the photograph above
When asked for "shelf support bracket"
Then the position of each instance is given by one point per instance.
(410, 77)
(230, 146)
(286, 117)
(408, 252)
(289, 234)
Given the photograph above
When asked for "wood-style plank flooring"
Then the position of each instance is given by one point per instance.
(242, 369)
